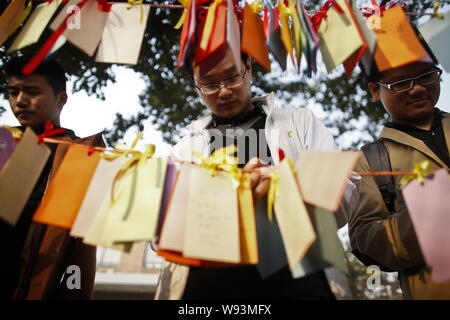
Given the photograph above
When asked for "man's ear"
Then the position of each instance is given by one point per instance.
(61, 99)
(374, 89)
(248, 65)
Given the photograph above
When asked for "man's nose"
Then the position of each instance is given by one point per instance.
(22, 100)
(417, 87)
(223, 90)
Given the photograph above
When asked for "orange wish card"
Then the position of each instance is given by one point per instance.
(253, 38)
(12, 17)
(66, 190)
(187, 33)
(398, 44)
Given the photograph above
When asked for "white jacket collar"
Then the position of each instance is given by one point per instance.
(267, 105)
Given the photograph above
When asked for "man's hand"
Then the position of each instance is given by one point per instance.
(260, 177)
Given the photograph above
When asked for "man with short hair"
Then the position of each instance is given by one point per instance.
(259, 130)
(381, 232)
(35, 257)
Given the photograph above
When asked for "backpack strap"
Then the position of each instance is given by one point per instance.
(378, 158)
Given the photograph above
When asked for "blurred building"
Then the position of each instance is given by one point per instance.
(124, 276)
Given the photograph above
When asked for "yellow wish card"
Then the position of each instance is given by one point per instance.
(134, 210)
(397, 42)
(212, 226)
(295, 225)
(339, 36)
(35, 25)
(247, 224)
(25, 166)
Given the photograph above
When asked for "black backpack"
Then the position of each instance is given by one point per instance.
(378, 158)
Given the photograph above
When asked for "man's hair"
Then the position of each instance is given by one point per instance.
(51, 70)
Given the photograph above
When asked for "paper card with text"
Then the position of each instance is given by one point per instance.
(67, 189)
(212, 222)
(25, 164)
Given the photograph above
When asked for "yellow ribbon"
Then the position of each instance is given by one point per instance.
(21, 19)
(257, 6)
(137, 2)
(183, 16)
(437, 14)
(272, 194)
(420, 172)
(285, 13)
(137, 157)
(209, 24)
(16, 133)
(274, 188)
(223, 161)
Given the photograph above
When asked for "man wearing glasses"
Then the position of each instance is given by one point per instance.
(381, 232)
(259, 129)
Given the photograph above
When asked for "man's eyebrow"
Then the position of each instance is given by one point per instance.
(229, 70)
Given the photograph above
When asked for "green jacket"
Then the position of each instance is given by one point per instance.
(390, 239)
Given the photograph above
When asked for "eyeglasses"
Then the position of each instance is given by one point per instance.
(407, 84)
(230, 83)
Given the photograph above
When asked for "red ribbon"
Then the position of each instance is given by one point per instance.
(376, 9)
(104, 6)
(48, 45)
(281, 154)
(323, 13)
(91, 150)
(49, 131)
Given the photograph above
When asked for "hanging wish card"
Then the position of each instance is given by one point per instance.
(323, 176)
(429, 207)
(335, 47)
(295, 225)
(212, 225)
(85, 30)
(35, 25)
(25, 164)
(397, 43)
(67, 189)
(123, 34)
(97, 192)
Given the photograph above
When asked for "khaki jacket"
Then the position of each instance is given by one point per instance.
(49, 250)
(390, 239)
